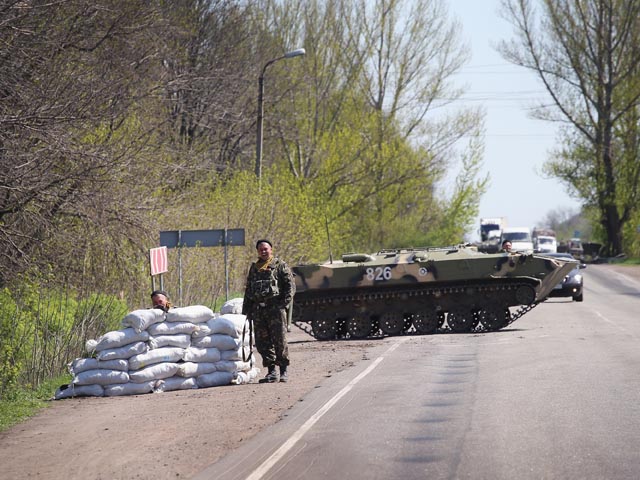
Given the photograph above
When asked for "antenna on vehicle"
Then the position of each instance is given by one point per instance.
(326, 223)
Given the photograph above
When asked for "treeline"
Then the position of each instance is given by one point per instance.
(119, 119)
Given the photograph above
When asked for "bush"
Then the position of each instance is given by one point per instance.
(43, 328)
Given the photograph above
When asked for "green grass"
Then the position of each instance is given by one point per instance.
(627, 261)
(21, 403)
(632, 261)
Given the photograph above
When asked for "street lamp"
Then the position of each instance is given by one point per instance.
(291, 54)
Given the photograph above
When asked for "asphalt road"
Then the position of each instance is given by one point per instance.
(554, 396)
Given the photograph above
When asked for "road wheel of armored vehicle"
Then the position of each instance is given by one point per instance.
(324, 328)
(461, 320)
(525, 294)
(427, 322)
(392, 323)
(408, 322)
(359, 326)
(493, 318)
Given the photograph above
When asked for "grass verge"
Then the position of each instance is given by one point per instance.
(626, 261)
(22, 403)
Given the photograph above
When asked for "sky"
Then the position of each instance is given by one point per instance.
(516, 146)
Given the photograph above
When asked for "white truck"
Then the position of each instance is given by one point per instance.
(490, 231)
(544, 240)
(520, 238)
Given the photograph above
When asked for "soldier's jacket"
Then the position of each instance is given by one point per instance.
(272, 287)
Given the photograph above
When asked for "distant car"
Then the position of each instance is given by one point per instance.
(575, 248)
(572, 284)
(545, 244)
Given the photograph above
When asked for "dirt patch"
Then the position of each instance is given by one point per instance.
(165, 435)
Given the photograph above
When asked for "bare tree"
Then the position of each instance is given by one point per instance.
(71, 75)
(587, 56)
(413, 50)
(209, 67)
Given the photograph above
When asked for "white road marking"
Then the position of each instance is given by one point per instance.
(610, 322)
(624, 278)
(259, 472)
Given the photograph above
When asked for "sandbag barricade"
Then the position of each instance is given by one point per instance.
(156, 351)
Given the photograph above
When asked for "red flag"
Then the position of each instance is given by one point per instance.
(158, 260)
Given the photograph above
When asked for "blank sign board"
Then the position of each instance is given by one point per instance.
(202, 238)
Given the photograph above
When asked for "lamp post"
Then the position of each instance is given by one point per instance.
(291, 54)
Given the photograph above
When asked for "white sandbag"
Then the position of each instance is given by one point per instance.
(83, 364)
(181, 340)
(115, 339)
(156, 371)
(129, 388)
(214, 379)
(229, 324)
(100, 377)
(232, 306)
(204, 329)
(195, 369)
(70, 391)
(195, 354)
(127, 351)
(232, 366)
(241, 378)
(172, 328)
(219, 341)
(158, 355)
(241, 353)
(174, 383)
(141, 319)
(192, 313)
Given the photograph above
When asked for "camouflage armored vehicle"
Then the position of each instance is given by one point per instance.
(422, 290)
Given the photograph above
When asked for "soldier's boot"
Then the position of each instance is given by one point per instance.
(283, 374)
(271, 376)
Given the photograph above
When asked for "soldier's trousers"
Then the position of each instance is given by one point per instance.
(270, 329)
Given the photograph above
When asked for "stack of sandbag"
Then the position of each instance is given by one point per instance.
(157, 351)
(219, 349)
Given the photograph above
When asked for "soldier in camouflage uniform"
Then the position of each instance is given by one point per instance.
(268, 294)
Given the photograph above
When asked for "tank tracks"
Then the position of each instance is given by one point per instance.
(524, 292)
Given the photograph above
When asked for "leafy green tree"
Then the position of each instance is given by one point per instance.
(364, 129)
(279, 207)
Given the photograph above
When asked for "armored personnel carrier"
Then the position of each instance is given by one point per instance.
(421, 290)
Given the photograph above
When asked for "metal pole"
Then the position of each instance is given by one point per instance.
(293, 53)
(326, 223)
(260, 120)
(180, 266)
(153, 280)
(226, 267)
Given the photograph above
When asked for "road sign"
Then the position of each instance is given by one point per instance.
(202, 238)
(158, 260)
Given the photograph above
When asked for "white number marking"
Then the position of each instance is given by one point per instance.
(378, 274)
